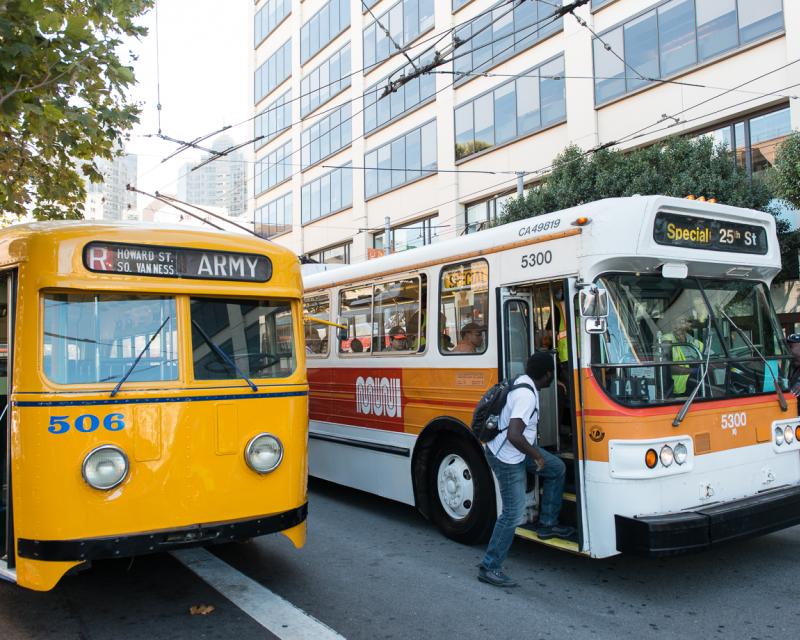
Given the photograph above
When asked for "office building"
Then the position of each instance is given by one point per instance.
(110, 199)
(221, 183)
(339, 152)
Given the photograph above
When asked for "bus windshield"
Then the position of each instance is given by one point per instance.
(667, 336)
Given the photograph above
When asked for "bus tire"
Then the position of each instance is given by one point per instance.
(461, 490)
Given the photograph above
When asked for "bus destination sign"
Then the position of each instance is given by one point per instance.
(173, 262)
(704, 233)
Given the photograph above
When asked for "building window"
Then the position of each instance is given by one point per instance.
(274, 71)
(274, 217)
(410, 235)
(274, 119)
(404, 159)
(597, 4)
(677, 35)
(457, 4)
(338, 254)
(483, 214)
(322, 27)
(268, 17)
(514, 109)
(326, 136)
(501, 34)
(273, 168)
(753, 141)
(379, 109)
(326, 81)
(405, 21)
(327, 194)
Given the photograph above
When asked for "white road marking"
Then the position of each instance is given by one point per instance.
(268, 609)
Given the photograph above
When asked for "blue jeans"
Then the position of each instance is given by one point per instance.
(512, 480)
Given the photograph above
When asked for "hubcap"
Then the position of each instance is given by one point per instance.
(456, 488)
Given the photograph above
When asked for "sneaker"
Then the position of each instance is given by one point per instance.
(546, 532)
(495, 578)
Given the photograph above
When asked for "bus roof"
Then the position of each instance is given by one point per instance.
(57, 246)
(614, 223)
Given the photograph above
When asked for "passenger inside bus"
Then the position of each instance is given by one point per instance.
(356, 346)
(397, 339)
(679, 346)
(471, 339)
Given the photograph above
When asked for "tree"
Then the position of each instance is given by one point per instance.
(784, 178)
(63, 101)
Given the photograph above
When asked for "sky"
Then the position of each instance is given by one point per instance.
(203, 64)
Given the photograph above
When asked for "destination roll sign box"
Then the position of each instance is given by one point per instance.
(704, 233)
(171, 262)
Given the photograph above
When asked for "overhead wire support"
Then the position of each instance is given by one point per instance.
(402, 50)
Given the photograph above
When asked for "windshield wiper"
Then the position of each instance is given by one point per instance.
(778, 390)
(224, 356)
(139, 357)
(685, 408)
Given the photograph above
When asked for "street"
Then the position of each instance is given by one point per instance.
(377, 569)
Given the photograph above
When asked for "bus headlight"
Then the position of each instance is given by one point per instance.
(788, 434)
(105, 467)
(666, 455)
(263, 453)
(778, 436)
(680, 453)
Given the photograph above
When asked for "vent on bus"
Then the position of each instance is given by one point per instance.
(702, 442)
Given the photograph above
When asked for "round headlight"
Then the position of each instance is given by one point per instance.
(778, 436)
(263, 453)
(105, 467)
(666, 455)
(680, 453)
(788, 434)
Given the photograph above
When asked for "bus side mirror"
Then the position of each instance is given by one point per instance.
(593, 302)
(596, 325)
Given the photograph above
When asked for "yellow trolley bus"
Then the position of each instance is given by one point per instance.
(154, 394)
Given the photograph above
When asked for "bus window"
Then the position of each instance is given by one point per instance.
(355, 311)
(317, 332)
(97, 338)
(256, 334)
(396, 304)
(464, 308)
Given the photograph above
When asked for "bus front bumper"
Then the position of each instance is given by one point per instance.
(704, 527)
(162, 540)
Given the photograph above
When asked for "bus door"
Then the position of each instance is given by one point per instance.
(6, 530)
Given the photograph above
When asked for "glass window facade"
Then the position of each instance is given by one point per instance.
(379, 110)
(406, 21)
(677, 35)
(498, 35)
(268, 17)
(410, 235)
(481, 215)
(457, 4)
(275, 217)
(274, 71)
(273, 168)
(512, 110)
(326, 81)
(596, 4)
(327, 194)
(274, 119)
(326, 136)
(753, 141)
(400, 161)
(337, 254)
(322, 27)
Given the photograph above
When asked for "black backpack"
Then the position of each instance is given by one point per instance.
(486, 417)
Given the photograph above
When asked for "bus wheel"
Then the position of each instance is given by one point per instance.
(462, 492)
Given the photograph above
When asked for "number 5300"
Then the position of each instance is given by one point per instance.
(86, 423)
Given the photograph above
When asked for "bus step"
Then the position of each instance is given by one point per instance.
(527, 531)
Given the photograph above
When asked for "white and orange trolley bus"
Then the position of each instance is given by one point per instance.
(668, 409)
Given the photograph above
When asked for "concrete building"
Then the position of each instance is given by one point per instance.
(221, 184)
(110, 199)
(439, 155)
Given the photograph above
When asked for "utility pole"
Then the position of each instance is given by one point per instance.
(387, 235)
(520, 183)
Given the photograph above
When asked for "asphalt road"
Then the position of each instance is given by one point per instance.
(377, 569)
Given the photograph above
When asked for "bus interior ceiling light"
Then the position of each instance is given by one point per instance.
(264, 453)
(105, 467)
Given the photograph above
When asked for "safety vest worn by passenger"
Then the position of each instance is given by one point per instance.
(680, 353)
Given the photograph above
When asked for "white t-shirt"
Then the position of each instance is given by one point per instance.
(522, 404)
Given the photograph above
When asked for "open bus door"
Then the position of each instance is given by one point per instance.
(7, 551)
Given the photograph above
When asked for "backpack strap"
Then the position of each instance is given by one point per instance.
(515, 385)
